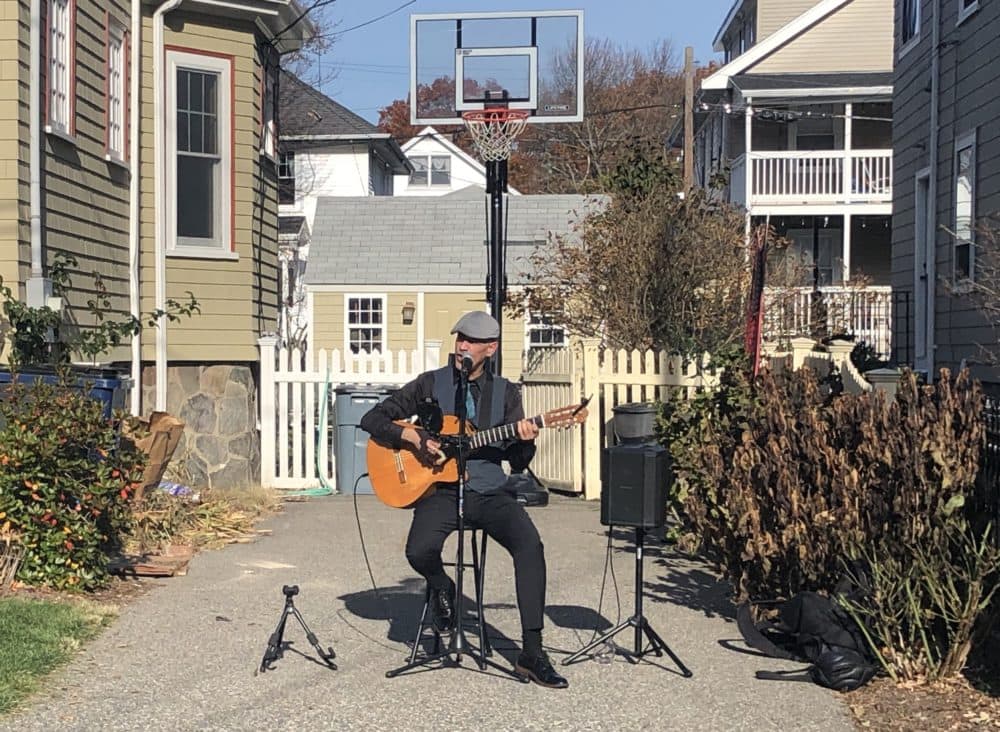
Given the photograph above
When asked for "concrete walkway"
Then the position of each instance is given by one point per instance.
(183, 656)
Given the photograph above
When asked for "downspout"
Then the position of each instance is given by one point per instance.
(38, 288)
(159, 167)
(931, 256)
(134, 303)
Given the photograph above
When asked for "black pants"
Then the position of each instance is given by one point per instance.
(504, 520)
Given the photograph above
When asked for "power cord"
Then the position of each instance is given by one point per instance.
(361, 536)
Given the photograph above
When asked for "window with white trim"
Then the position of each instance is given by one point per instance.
(269, 125)
(431, 170)
(115, 101)
(965, 204)
(61, 81)
(365, 323)
(199, 159)
(909, 21)
(286, 176)
(966, 8)
(543, 333)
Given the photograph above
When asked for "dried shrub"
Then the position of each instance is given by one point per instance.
(783, 482)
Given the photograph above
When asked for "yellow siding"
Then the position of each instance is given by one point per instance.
(238, 299)
(858, 37)
(772, 15)
(86, 197)
(400, 336)
(328, 320)
(14, 174)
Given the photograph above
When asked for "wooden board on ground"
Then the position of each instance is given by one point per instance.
(173, 561)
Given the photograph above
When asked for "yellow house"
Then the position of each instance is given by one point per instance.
(139, 137)
(389, 274)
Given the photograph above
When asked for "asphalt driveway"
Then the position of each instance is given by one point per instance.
(184, 656)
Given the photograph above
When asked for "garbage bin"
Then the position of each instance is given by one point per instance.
(104, 385)
(351, 403)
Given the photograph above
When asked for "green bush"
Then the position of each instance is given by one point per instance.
(783, 482)
(66, 478)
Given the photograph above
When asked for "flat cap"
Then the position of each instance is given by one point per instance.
(479, 325)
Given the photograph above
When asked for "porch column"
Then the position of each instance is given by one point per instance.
(748, 165)
(849, 185)
(846, 248)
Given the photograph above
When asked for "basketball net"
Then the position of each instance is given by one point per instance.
(494, 130)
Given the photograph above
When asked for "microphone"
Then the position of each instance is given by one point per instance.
(466, 362)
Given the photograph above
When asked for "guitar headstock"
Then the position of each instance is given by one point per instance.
(566, 416)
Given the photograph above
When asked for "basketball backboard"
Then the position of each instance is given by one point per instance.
(536, 57)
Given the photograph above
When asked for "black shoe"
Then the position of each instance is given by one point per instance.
(443, 609)
(539, 670)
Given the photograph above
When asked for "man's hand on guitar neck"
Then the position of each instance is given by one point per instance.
(427, 449)
(527, 429)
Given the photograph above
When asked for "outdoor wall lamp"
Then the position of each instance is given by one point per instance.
(408, 311)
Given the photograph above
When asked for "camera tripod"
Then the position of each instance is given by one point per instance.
(274, 648)
(638, 622)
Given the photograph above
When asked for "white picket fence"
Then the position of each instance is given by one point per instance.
(296, 397)
(296, 434)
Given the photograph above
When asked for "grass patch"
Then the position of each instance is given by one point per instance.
(38, 636)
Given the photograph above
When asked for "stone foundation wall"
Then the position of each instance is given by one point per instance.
(221, 444)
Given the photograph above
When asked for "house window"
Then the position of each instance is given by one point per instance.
(286, 177)
(116, 108)
(965, 197)
(966, 8)
(269, 126)
(365, 323)
(910, 20)
(199, 154)
(431, 170)
(60, 67)
(542, 333)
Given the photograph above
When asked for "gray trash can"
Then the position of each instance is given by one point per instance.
(351, 403)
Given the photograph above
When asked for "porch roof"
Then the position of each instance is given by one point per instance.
(381, 240)
(853, 83)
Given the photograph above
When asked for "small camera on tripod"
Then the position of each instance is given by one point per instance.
(290, 591)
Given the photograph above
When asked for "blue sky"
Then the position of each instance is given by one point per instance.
(371, 63)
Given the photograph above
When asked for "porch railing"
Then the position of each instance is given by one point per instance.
(813, 176)
(862, 312)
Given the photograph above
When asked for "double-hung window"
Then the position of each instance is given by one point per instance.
(431, 170)
(543, 333)
(965, 200)
(116, 90)
(199, 155)
(286, 176)
(365, 329)
(60, 66)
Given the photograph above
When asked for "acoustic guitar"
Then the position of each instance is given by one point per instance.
(400, 479)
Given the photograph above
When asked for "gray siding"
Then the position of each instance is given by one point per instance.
(969, 83)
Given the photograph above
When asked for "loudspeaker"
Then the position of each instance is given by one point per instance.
(634, 485)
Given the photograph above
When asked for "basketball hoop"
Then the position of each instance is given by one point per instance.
(494, 130)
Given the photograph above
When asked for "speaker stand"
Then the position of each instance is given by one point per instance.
(638, 622)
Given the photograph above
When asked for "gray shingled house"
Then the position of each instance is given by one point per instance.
(391, 273)
(947, 148)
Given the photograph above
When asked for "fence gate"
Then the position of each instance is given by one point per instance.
(296, 388)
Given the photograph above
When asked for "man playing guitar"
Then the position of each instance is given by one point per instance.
(492, 400)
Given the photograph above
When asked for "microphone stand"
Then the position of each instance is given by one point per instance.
(458, 645)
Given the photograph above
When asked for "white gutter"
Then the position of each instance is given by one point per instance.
(38, 288)
(134, 303)
(159, 166)
(320, 138)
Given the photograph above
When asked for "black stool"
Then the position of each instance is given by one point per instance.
(478, 566)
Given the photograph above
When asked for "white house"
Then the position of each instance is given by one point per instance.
(440, 167)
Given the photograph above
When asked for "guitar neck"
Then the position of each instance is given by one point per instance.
(503, 432)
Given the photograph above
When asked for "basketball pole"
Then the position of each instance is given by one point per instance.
(496, 279)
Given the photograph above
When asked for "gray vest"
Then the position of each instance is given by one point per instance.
(483, 465)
